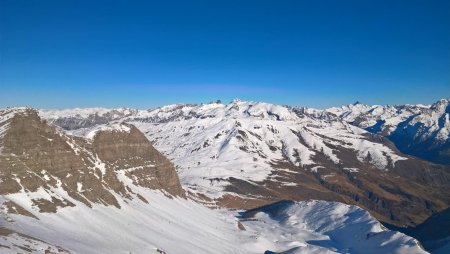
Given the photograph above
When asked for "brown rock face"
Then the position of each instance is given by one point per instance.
(131, 150)
(35, 156)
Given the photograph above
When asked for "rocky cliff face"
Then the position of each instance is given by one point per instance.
(37, 158)
(132, 152)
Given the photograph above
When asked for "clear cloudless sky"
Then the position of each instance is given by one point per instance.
(143, 54)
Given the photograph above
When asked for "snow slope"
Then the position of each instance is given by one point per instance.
(183, 226)
(89, 133)
(244, 139)
(137, 227)
(323, 227)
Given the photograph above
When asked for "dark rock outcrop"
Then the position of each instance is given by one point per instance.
(37, 157)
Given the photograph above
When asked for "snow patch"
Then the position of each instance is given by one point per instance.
(89, 133)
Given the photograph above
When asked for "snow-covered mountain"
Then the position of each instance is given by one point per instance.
(422, 131)
(244, 154)
(85, 117)
(244, 140)
(105, 189)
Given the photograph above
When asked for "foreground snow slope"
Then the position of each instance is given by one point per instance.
(322, 227)
(183, 226)
(172, 225)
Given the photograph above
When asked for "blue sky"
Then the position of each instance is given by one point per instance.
(143, 54)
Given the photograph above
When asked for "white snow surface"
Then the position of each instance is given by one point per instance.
(179, 226)
(89, 133)
(13, 241)
(325, 227)
(137, 227)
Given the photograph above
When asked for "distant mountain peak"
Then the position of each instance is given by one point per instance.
(236, 100)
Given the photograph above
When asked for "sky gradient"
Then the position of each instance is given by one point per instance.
(144, 54)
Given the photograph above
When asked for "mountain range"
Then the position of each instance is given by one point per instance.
(242, 177)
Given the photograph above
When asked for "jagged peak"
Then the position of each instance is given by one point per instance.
(440, 103)
(236, 100)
